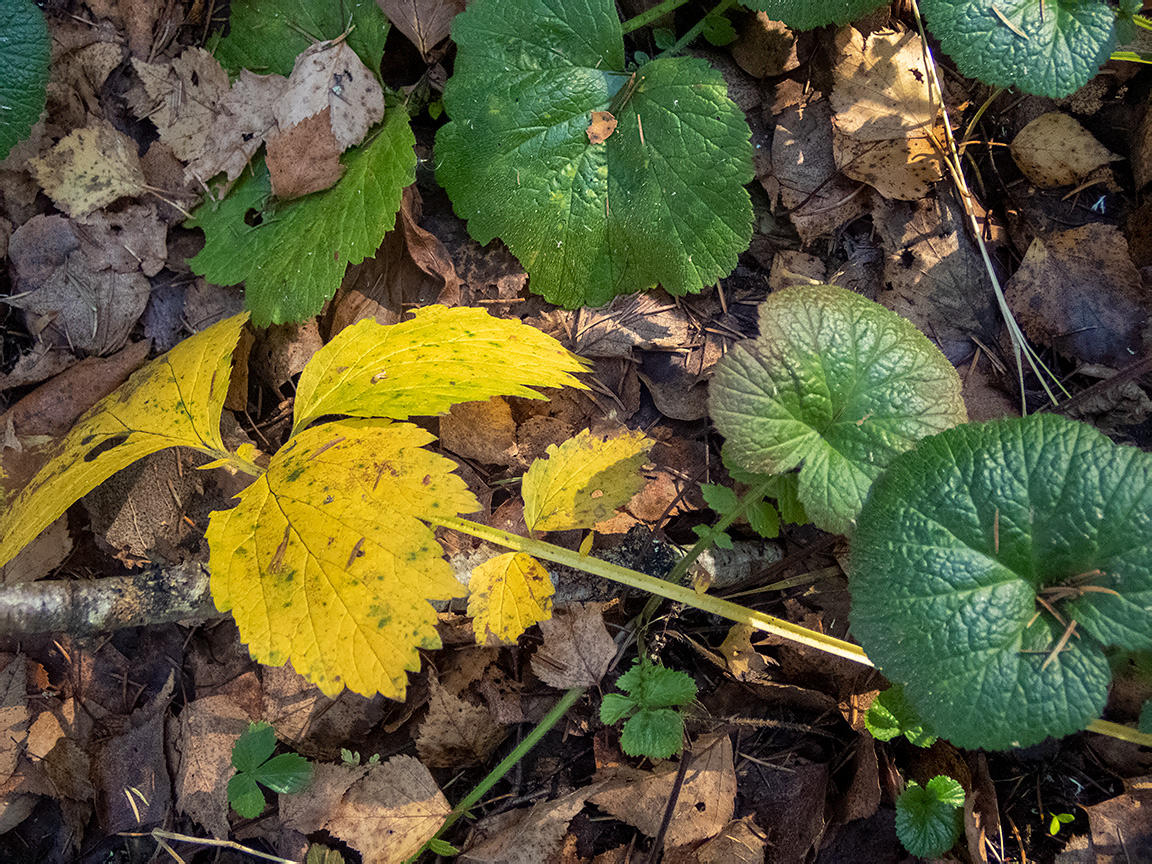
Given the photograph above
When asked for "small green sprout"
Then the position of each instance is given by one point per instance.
(1059, 819)
(928, 818)
(256, 766)
(654, 728)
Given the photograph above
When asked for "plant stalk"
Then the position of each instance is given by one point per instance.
(755, 493)
(653, 14)
(668, 590)
(696, 30)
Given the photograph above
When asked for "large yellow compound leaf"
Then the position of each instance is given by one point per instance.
(583, 480)
(173, 401)
(426, 365)
(509, 593)
(326, 563)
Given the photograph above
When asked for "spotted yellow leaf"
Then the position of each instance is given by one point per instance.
(428, 364)
(173, 401)
(584, 480)
(509, 593)
(326, 563)
(89, 169)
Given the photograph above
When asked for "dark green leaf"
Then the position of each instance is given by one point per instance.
(615, 707)
(720, 498)
(1146, 717)
(442, 847)
(656, 734)
(245, 796)
(927, 821)
(253, 747)
(24, 51)
(956, 542)
(286, 773)
(807, 14)
(763, 518)
(662, 200)
(892, 714)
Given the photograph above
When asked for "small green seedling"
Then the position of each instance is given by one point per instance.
(256, 766)
(928, 818)
(892, 715)
(654, 727)
(1059, 819)
(351, 758)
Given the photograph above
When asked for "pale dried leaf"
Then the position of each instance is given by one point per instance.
(457, 733)
(577, 649)
(425, 22)
(1055, 150)
(332, 76)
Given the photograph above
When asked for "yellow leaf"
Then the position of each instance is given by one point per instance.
(174, 401)
(326, 563)
(426, 365)
(583, 480)
(510, 593)
(89, 169)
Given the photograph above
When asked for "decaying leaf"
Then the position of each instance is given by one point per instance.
(481, 431)
(326, 562)
(89, 169)
(577, 648)
(583, 480)
(1055, 150)
(601, 127)
(457, 733)
(304, 158)
(243, 120)
(181, 99)
(174, 401)
(528, 834)
(509, 593)
(884, 114)
(425, 22)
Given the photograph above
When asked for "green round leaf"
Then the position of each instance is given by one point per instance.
(1050, 48)
(836, 384)
(661, 200)
(807, 14)
(24, 53)
(927, 821)
(952, 549)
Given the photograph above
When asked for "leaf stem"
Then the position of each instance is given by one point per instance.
(754, 493)
(231, 462)
(644, 582)
(691, 35)
(645, 18)
(1120, 731)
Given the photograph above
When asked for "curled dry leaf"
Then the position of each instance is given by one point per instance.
(601, 127)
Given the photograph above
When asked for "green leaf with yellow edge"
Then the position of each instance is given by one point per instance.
(325, 561)
(173, 401)
(509, 593)
(428, 364)
(584, 480)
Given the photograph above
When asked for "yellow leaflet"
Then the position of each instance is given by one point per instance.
(426, 365)
(326, 563)
(173, 401)
(583, 480)
(510, 593)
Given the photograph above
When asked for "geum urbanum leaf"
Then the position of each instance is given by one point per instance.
(24, 53)
(837, 385)
(325, 562)
(584, 480)
(173, 401)
(661, 200)
(968, 545)
(507, 595)
(426, 365)
(292, 255)
(1050, 48)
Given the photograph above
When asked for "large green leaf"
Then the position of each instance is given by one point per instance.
(266, 35)
(23, 70)
(807, 14)
(1048, 47)
(292, 260)
(836, 384)
(955, 544)
(660, 201)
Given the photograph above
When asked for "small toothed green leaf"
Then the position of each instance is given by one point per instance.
(655, 733)
(245, 796)
(286, 773)
(253, 747)
(892, 714)
(927, 818)
(615, 707)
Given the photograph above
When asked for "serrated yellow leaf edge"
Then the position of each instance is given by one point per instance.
(172, 401)
(584, 480)
(509, 593)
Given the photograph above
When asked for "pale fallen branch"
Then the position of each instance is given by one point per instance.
(152, 596)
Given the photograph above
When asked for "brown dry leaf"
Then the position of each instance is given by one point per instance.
(283, 351)
(765, 48)
(706, 803)
(40, 557)
(1121, 829)
(884, 114)
(386, 812)
(425, 22)
(329, 75)
(741, 842)
(601, 127)
(207, 730)
(481, 431)
(304, 158)
(1142, 152)
(744, 661)
(316, 726)
(89, 169)
(1080, 291)
(528, 835)
(42, 361)
(14, 715)
(1055, 150)
(818, 197)
(181, 98)
(793, 267)
(243, 120)
(577, 649)
(60, 280)
(650, 320)
(935, 274)
(131, 239)
(456, 733)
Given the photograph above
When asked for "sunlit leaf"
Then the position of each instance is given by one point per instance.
(174, 401)
(510, 593)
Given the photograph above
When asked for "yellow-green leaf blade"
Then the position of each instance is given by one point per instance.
(583, 480)
(326, 563)
(173, 401)
(509, 593)
(428, 364)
